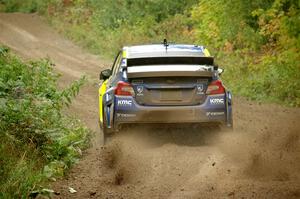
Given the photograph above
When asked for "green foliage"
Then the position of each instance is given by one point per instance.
(227, 22)
(258, 43)
(34, 134)
(27, 6)
(104, 26)
(113, 14)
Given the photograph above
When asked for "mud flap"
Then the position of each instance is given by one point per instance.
(229, 122)
(108, 107)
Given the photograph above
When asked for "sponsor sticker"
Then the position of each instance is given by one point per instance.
(216, 101)
(124, 102)
(125, 115)
(124, 62)
(214, 113)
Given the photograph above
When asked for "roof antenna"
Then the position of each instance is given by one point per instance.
(166, 44)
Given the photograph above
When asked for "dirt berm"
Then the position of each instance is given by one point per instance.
(260, 159)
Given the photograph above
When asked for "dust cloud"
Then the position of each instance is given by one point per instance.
(191, 162)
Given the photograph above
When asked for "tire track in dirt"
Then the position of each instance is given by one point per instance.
(261, 159)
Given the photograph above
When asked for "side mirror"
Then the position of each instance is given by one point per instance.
(105, 74)
(220, 71)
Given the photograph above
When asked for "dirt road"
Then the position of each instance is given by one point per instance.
(261, 159)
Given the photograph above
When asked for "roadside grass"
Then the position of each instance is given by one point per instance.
(37, 141)
(19, 170)
(26, 6)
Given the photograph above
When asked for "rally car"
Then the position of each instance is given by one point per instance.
(163, 83)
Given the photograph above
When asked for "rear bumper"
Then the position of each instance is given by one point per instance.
(126, 111)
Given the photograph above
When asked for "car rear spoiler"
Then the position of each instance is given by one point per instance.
(170, 61)
(169, 71)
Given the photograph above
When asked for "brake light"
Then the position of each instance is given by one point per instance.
(215, 87)
(124, 88)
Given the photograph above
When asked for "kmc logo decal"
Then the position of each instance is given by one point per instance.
(216, 101)
(124, 103)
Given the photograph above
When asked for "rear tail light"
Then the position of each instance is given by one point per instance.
(215, 87)
(124, 88)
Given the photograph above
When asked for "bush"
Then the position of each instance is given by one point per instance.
(37, 141)
(27, 6)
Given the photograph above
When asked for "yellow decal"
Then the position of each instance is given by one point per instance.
(102, 90)
(206, 52)
(124, 53)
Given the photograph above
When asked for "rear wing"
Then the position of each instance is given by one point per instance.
(170, 70)
(187, 60)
